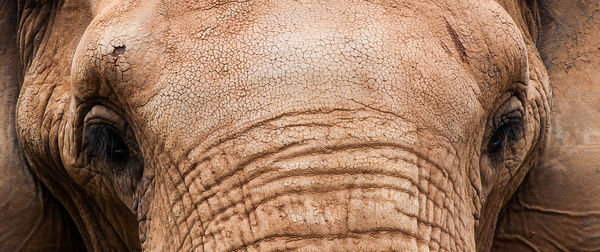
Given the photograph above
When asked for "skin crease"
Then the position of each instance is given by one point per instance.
(563, 189)
(28, 209)
(355, 125)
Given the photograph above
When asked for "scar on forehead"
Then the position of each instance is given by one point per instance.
(459, 45)
(118, 50)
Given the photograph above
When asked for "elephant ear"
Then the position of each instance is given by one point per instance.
(557, 208)
(30, 217)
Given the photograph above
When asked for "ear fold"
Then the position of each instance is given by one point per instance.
(30, 218)
(558, 205)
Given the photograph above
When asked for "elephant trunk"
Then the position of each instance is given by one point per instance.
(350, 179)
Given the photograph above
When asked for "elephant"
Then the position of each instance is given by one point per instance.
(346, 125)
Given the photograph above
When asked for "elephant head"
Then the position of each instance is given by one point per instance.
(273, 125)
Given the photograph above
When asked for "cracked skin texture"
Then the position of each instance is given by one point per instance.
(557, 208)
(281, 125)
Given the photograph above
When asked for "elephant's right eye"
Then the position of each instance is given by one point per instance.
(109, 149)
(103, 142)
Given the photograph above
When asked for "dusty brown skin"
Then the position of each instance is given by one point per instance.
(271, 125)
(558, 206)
(30, 218)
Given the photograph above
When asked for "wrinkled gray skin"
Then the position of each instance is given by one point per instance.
(269, 125)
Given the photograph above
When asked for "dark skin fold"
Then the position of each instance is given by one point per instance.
(31, 219)
(275, 125)
(558, 205)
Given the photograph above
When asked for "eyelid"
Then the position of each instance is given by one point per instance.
(102, 114)
(511, 110)
(514, 114)
(512, 117)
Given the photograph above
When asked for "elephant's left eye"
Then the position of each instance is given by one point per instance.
(507, 127)
(507, 131)
(105, 143)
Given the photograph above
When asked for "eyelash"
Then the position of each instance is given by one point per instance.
(103, 142)
(508, 130)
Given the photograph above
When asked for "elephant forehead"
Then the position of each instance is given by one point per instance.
(249, 61)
